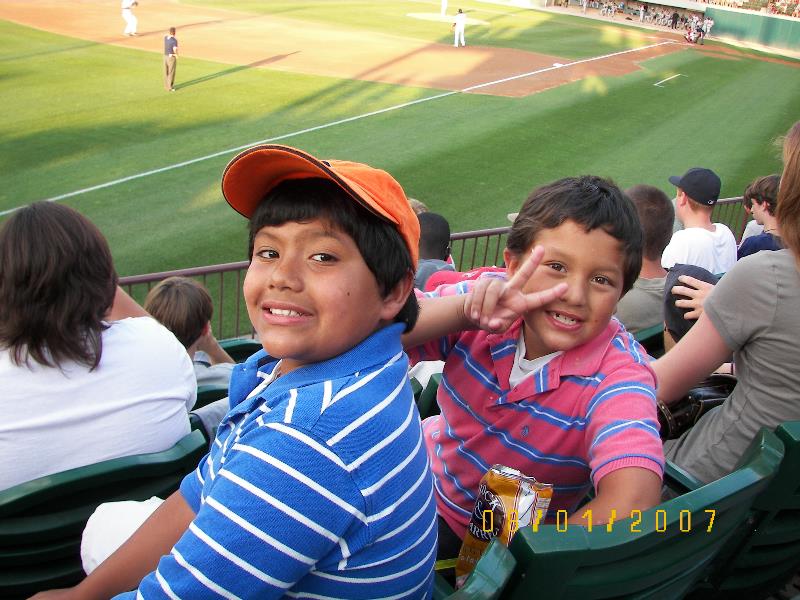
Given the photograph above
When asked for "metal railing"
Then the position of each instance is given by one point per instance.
(470, 249)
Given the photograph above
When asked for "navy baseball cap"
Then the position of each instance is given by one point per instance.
(701, 185)
(674, 319)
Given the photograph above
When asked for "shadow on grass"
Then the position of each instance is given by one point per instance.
(232, 70)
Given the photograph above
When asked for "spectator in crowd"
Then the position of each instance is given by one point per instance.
(641, 307)
(684, 291)
(545, 333)
(317, 481)
(434, 247)
(701, 242)
(184, 306)
(689, 286)
(86, 374)
(753, 227)
(762, 196)
(751, 312)
(418, 206)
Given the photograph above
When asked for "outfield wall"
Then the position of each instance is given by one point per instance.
(773, 31)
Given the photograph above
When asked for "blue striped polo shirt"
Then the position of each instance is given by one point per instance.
(317, 486)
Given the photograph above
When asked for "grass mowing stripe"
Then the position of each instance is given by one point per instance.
(331, 124)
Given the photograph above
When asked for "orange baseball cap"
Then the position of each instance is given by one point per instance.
(252, 174)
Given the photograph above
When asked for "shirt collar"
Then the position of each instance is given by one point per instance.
(581, 361)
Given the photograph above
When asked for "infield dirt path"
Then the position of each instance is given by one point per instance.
(299, 46)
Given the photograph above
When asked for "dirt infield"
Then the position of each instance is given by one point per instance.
(299, 46)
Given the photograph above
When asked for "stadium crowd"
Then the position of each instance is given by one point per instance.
(320, 474)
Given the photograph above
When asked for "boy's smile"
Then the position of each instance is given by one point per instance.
(309, 293)
(591, 265)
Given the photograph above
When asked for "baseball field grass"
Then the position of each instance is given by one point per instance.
(79, 114)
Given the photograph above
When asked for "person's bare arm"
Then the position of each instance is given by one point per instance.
(209, 344)
(694, 357)
(124, 306)
(696, 290)
(137, 557)
(619, 493)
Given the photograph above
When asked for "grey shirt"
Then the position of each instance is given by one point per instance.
(643, 305)
(755, 309)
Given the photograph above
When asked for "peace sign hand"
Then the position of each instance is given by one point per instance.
(494, 304)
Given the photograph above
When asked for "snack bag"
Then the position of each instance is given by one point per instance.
(507, 500)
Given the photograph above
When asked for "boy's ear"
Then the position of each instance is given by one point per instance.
(397, 296)
(511, 261)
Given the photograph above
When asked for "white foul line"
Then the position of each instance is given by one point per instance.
(667, 79)
(331, 124)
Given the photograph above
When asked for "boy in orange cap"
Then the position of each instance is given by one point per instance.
(318, 483)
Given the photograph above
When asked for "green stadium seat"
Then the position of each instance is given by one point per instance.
(768, 553)
(652, 339)
(416, 388)
(41, 521)
(206, 394)
(426, 403)
(240, 349)
(661, 555)
(486, 582)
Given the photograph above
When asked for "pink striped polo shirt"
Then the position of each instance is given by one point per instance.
(590, 411)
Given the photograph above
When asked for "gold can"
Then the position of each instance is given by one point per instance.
(507, 500)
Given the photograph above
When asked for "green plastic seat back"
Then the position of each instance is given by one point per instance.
(486, 582)
(206, 394)
(41, 521)
(770, 552)
(652, 339)
(416, 388)
(427, 404)
(660, 556)
(240, 349)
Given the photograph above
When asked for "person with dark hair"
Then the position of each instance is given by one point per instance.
(434, 247)
(641, 307)
(752, 313)
(701, 242)
(538, 376)
(317, 481)
(184, 306)
(762, 196)
(170, 59)
(96, 384)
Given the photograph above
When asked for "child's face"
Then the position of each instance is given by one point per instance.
(309, 293)
(591, 264)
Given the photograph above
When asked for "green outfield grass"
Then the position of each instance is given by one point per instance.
(77, 114)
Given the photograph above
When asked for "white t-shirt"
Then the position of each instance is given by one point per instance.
(461, 19)
(523, 367)
(711, 250)
(136, 401)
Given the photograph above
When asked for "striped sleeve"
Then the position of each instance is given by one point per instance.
(622, 423)
(439, 348)
(278, 506)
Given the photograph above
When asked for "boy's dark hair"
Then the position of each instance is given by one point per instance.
(434, 236)
(182, 305)
(656, 214)
(589, 201)
(763, 189)
(57, 282)
(380, 244)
